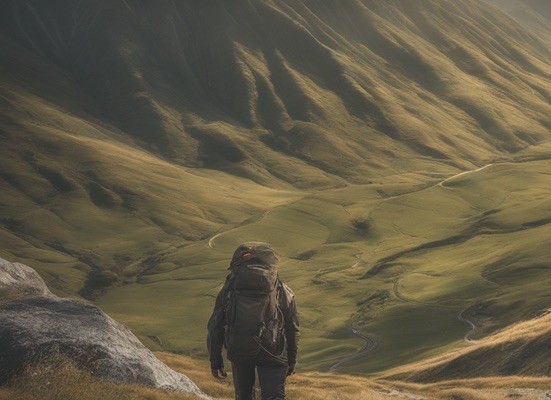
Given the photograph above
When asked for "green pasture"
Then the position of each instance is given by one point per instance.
(149, 240)
(479, 243)
(399, 258)
(495, 264)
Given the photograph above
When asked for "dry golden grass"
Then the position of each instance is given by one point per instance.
(523, 348)
(60, 380)
(312, 386)
(326, 386)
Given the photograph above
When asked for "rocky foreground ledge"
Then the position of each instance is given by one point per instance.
(35, 324)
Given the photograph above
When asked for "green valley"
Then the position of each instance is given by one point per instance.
(396, 154)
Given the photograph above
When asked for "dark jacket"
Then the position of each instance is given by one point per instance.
(217, 323)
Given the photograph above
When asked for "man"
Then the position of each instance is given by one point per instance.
(255, 318)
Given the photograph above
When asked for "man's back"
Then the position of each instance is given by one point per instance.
(258, 324)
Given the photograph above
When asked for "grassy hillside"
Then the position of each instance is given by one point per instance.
(521, 349)
(323, 386)
(72, 384)
(401, 267)
(142, 142)
(268, 87)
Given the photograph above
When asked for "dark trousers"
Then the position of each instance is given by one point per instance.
(271, 377)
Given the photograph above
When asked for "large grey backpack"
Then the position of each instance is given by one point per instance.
(253, 317)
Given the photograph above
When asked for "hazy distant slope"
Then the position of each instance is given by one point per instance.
(533, 14)
(223, 84)
(539, 7)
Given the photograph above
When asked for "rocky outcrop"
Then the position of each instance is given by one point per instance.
(35, 324)
(19, 281)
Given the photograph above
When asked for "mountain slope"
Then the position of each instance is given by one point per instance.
(141, 142)
(284, 93)
(520, 350)
(223, 85)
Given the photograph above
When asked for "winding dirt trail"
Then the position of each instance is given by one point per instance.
(370, 345)
(401, 297)
(473, 329)
(211, 240)
(460, 317)
(359, 258)
(258, 217)
(441, 184)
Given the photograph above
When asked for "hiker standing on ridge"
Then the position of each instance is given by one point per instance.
(255, 318)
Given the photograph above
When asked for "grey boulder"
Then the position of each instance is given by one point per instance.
(35, 324)
(19, 281)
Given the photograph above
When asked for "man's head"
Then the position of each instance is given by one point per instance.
(258, 251)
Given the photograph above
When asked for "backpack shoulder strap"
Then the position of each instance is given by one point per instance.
(229, 287)
(285, 293)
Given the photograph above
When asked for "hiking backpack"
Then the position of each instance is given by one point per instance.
(254, 319)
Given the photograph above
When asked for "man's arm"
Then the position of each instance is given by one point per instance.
(290, 314)
(215, 335)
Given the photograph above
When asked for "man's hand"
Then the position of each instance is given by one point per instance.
(219, 373)
(290, 370)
